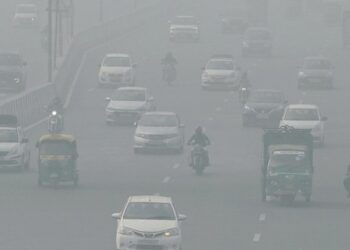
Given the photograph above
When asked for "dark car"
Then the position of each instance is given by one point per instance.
(264, 108)
(233, 25)
(257, 42)
(13, 75)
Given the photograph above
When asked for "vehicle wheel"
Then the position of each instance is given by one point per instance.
(40, 182)
(308, 198)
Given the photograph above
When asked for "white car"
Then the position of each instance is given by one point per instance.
(14, 147)
(220, 72)
(26, 15)
(117, 70)
(149, 222)
(159, 131)
(184, 28)
(305, 116)
(127, 104)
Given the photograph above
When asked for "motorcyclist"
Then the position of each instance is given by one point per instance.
(199, 138)
(347, 181)
(55, 105)
(168, 63)
(245, 82)
(244, 88)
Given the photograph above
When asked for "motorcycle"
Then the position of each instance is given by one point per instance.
(55, 122)
(169, 73)
(198, 159)
(243, 95)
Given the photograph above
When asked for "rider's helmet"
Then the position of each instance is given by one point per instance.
(199, 130)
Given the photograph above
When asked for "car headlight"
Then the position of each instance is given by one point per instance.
(110, 110)
(17, 79)
(247, 108)
(141, 136)
(14, 151)
(126, 231)
(171, 232)
(205, 76)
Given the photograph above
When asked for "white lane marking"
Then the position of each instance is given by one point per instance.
(262, 217)
(166, 179)
(176, 165)
(75, 81)
(256, 237)
(35, 124)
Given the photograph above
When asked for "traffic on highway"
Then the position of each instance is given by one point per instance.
(199, 124)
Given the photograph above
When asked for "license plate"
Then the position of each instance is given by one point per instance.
(147, 242)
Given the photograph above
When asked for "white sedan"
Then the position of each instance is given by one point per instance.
(305, 116)
(117, 70)
(149, 222)
(127, 104)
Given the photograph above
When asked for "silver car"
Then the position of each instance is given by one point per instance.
(127, 105)
(159, 131)
(316, 72)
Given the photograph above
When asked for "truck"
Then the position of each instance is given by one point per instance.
(287, 164)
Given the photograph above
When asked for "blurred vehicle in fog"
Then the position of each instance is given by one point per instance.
(13, 73)
(257, 41)
(234, 21)
(305, 116)
(221, 72)
(26, 15)
(117, 70)
(149, 222)
(184, 28)
(264, 108)
(159, 131)
(127, 105)
(14, 147)
(316, 72)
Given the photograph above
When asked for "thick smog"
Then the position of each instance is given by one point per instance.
(174, 124)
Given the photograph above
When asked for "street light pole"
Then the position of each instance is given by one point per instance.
(49, 40)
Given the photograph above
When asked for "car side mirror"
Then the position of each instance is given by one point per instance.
(116, 216)
(324, 118)
(135, 124)
(182, 217)
(108, 99)
(25, 140)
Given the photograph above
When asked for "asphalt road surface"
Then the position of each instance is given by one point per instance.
(223, 207)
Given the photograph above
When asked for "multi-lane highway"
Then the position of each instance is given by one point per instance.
(223, 207)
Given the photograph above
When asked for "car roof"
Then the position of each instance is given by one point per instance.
(268, 90)
(222, 56)
(159, 113)
(117, 55)
(302, 106)
(131, 88)
(150, 198)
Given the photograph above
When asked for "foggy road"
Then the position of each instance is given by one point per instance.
(223, 207)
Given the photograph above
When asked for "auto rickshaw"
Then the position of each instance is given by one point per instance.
(57, 159)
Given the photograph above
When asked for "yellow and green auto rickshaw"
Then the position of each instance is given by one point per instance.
(57, 159)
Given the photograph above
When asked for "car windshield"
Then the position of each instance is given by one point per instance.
(220, 65)
(266, 97)
(116, 61)
(9, 59)
(149, 211)
(258, 35)
(288, 161)
(8, 136)
(302, 114)
(129, 95)
(185, 21)
(56, 148)
(158, 120)
(317, 64)
(26, 9)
